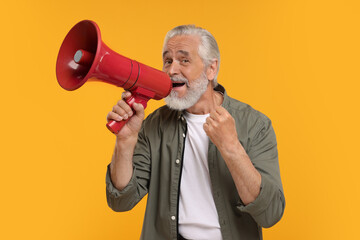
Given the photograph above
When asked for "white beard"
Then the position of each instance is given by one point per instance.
(194, 92)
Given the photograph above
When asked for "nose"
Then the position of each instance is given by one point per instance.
(174, 69)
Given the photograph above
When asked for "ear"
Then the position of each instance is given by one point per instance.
(212, 69)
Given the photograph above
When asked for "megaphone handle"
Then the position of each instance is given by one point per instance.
(115, 126)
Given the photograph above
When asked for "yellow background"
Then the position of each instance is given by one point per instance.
(296, 61)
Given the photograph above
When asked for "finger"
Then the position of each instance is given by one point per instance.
(211, 122)
(139, 110)
(206, 127)
(120, 111)
(113, 116)
(223, 114)
(220, 110)
(125, 95)
(214, 115)
(123, 105)
(207, 120)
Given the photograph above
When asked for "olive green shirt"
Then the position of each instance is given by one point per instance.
(157, 166)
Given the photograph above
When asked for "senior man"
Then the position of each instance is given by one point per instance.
(209, 163)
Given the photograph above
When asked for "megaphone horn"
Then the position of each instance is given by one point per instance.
(83, 56)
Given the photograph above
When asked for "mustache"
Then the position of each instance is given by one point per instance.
(180, 79)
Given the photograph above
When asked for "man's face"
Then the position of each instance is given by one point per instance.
(185, 67)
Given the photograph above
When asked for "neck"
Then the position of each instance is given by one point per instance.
(207, 102)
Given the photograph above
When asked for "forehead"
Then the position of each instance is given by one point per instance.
(182, 43)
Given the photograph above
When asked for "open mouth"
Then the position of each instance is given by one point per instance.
(177, 84)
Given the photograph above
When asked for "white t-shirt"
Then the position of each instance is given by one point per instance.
(198, 218)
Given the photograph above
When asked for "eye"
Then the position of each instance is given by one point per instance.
(167, 61)
(185, 60)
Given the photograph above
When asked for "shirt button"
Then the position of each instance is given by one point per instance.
(183, 134)
(182, 118)
(177, 161)
(173, 218)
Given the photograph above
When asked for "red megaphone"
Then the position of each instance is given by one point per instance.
(83, 56)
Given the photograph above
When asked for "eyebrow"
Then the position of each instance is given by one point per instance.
(180, 51)
(164, 53)
(184, 52)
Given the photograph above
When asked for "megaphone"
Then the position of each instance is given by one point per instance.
(83, 56)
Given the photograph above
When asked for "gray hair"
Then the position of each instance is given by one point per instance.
(208, 48)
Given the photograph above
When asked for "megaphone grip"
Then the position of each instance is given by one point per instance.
(115, 126)
(137, 97)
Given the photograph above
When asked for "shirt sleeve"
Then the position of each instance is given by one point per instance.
(268, 208)
(137, 187)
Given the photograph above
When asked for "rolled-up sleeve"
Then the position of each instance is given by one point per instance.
(123, 200)
(268, 208)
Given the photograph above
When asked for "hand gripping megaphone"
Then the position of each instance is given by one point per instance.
(83, 56)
